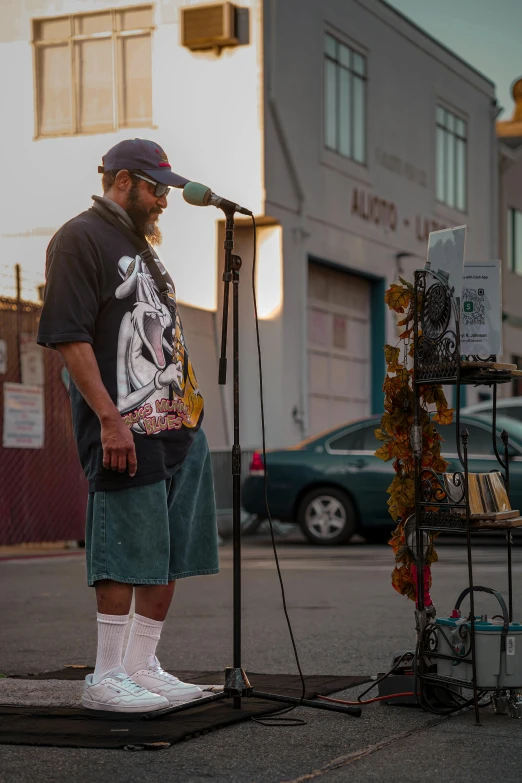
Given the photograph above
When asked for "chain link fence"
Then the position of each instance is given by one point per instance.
(43, 491)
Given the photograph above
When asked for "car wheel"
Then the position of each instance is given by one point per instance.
(327, 516)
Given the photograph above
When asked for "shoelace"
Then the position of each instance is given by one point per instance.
(159, 672)
(126, 681)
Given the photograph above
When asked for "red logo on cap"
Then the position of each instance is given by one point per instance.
(164, 158)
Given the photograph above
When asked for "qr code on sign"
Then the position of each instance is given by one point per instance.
(473, 307)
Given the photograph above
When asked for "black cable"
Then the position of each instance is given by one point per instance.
(275, 719)
(423, 700)
(385, 676)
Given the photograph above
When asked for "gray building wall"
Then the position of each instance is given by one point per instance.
(510, 197)
(509, 134)
(311, 191)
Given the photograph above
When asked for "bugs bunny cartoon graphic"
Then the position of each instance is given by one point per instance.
(166, 371)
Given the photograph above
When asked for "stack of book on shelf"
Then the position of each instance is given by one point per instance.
(486, 369)
(489, 504)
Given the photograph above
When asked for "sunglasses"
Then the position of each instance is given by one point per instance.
(160, 190)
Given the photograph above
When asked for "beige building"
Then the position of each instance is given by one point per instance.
(509, 134)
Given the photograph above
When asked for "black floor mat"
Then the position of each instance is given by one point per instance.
(78, 728)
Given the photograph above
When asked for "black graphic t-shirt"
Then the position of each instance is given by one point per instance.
(99, 291)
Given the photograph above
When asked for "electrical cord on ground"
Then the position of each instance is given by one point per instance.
(360, 702)
(407, 654)
(275, 719)
(459, 701)
(368, 701)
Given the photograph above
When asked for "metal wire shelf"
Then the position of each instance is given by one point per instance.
(439, 507)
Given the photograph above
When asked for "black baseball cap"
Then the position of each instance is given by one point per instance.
(142, 155)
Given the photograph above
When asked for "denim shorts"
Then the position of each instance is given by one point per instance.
(153, 534)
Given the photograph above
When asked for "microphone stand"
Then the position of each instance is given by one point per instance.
(236, 681)
(237, 685)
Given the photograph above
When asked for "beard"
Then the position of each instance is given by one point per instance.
(141, 217)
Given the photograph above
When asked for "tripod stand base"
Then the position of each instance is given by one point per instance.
(318, 705)
(236, 682)
(251, 693)
(238, 687)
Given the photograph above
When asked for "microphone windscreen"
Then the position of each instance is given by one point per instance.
(196, 194)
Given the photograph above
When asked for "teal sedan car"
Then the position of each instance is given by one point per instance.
(333, 486)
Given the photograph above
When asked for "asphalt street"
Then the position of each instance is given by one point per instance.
(347, 619)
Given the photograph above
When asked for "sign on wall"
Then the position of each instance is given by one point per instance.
(31, 360)
(481, 310)
(23, 416)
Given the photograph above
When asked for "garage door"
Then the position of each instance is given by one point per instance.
(338, 347)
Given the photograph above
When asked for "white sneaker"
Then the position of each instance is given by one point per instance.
(116, 692)
(154, 679)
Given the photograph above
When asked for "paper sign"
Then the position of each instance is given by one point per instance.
(481, 310)
(23, 416)
(446, 255)
(3, 357)
(31, 360)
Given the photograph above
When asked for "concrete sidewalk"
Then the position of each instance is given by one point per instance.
(346, 619)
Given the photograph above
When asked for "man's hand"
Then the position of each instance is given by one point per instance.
(116, 438)
(119, 451)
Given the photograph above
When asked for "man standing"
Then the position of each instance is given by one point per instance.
(110, 310)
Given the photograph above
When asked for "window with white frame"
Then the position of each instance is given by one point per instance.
(344, 99)
(514, 240)
(93, 71)
(451, 155)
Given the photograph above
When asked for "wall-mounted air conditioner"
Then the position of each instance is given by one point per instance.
(209, 26)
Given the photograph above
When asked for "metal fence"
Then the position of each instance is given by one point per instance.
(43, 492)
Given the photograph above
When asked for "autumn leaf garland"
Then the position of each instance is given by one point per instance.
(395, 430)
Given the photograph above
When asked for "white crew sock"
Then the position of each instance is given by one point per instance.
(111, 632)
(143, 640)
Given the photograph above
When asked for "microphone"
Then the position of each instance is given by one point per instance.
(200, 196)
